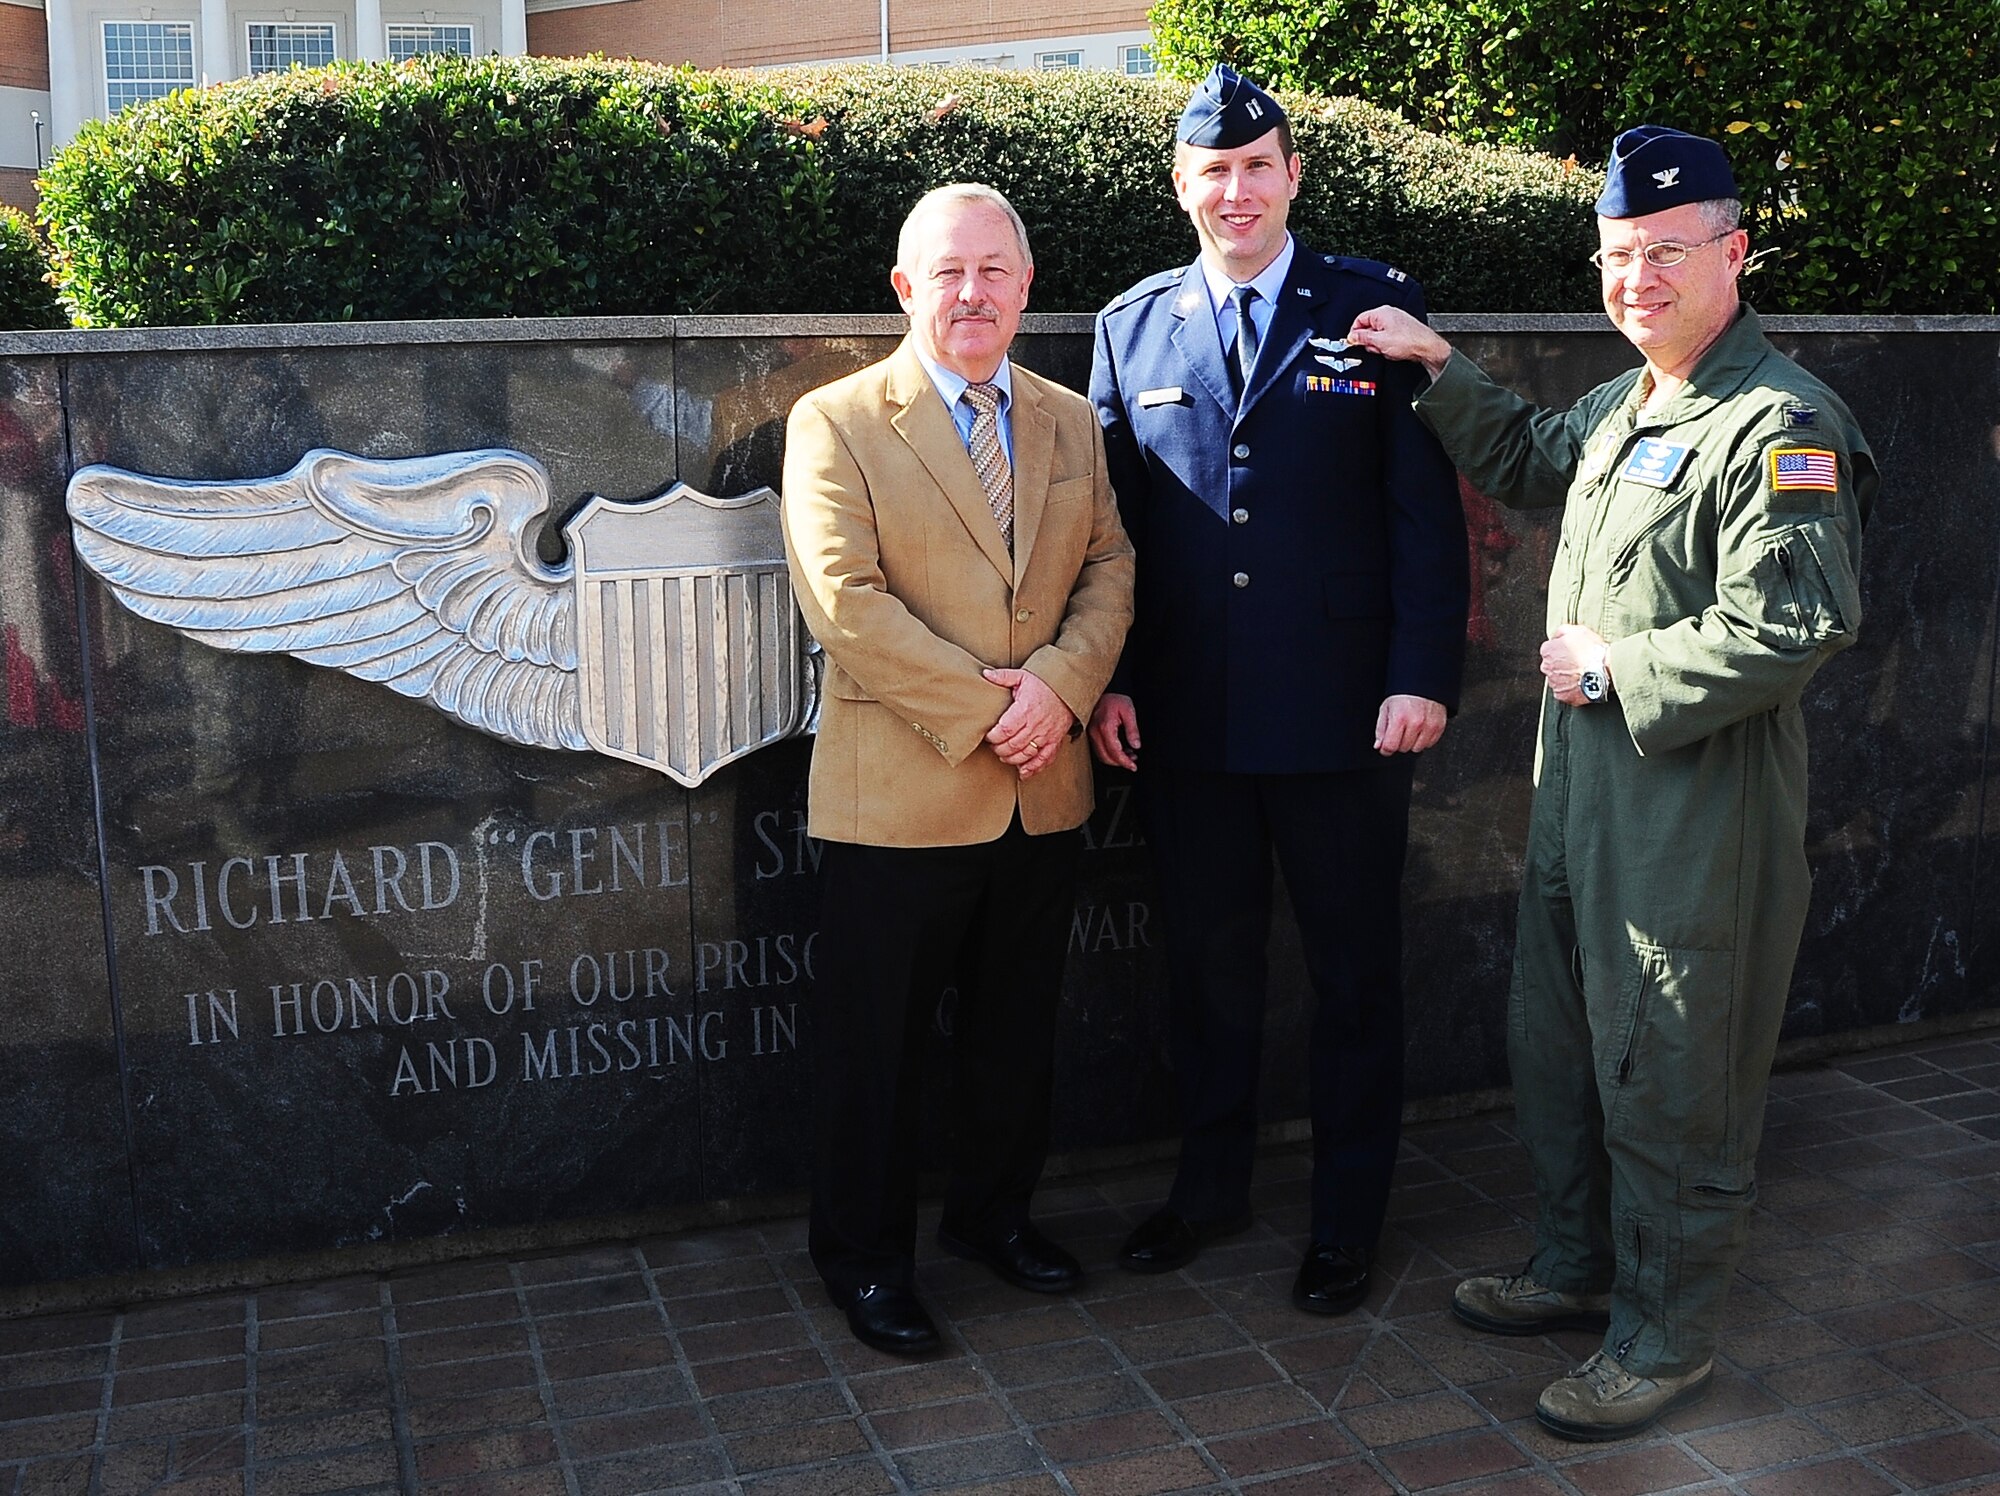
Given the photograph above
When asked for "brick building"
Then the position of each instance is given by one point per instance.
(65, 61)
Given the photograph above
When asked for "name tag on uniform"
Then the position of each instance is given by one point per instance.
(1596, 457)
(1655, 463)
(1171, 394)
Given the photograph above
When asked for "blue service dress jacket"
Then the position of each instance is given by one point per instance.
(1301, 556)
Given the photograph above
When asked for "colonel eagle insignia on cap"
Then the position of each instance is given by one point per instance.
(1654, 168)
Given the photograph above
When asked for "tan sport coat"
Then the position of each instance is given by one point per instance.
(903, 578)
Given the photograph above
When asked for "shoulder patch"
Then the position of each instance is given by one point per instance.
(1796, 469)
(1373, 270)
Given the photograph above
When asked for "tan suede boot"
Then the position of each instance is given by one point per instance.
(1517, 1305)
(1602, 1400)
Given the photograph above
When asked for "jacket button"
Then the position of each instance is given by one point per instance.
(1240, 516)
(1240, 451)
(1022, 616)
(1241, 579)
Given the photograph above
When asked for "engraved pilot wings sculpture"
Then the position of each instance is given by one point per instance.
(669, 637)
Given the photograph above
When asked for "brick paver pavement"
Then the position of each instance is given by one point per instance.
(1862, 1355)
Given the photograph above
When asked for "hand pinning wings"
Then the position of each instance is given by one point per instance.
(417, 572)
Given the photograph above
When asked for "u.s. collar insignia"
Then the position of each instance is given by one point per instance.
(1655, 463)
(1305, 291)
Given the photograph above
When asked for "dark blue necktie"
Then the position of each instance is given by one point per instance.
(1246, 337)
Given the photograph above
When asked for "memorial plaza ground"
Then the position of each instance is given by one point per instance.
(1862, 1353)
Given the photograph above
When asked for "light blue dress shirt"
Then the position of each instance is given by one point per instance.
(1269, 282)
(950, 386)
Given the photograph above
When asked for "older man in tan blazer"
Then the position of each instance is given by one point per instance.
(956, 550)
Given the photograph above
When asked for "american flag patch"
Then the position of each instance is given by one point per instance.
(1803, 467)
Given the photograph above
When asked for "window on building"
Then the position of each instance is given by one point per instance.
(146, 60)
(274, 47)
(1056, 62)
(406, 42)
(1136, 62)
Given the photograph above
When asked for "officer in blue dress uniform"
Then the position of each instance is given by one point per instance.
(1301, 602)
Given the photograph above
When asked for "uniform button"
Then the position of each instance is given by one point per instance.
(1023, 616)
(1240, 451)
(1241, 579)
(1240, 516)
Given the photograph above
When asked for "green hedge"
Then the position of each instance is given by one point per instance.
(1862, 133)
(448, 187)
(27, 300)
(546, 187)
(1085, 157)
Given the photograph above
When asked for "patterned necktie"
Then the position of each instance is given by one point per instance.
(1246, 336)
(989, 458)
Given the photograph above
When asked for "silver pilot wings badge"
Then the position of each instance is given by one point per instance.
(670, 638)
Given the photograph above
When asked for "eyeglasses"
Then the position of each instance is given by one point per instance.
(1663, 254)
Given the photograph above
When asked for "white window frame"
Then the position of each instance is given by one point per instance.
(1060, 60)
(389, 35)
(1127, 56)
(169, 84)
(331, 28)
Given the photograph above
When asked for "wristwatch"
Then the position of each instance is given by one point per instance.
(1593, 682)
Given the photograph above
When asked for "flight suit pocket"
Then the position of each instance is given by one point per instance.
(1666, 1068)
(1816, 601)
(1718, 1186)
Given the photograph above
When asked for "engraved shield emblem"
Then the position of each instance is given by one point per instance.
(690, 648)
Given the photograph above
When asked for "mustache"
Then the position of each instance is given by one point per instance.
(985, 311)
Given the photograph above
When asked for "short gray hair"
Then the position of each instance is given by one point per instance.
(1721, 214)
(948, 196)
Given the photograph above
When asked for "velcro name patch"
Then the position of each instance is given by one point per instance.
(1655, 463)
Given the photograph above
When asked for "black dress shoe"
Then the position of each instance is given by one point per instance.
(891, 1319)
(1023, 1257)
(1166, 1240)
(1332, 1280)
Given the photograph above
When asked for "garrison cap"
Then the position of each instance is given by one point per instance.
(1654, 167)
(1227, 110)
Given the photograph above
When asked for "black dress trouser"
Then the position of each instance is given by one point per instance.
(1340, 841)
(897, 926)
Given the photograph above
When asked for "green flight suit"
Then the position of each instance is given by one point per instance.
(1666, 881)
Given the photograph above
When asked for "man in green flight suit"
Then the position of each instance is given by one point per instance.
(1715, 498)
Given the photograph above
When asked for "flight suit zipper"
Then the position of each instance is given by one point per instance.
(1798, 615)
(1602, 489)
(1631, 1054)
(1624, 1347)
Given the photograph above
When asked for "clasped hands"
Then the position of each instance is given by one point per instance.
(1031, 730)
(1566, 654)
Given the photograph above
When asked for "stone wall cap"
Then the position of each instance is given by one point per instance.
(261, 337)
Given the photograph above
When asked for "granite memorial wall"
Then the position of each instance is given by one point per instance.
(289, 961)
